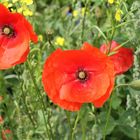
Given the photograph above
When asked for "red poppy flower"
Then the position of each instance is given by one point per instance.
(74, 77)
(15, 34)
(122, 59)
(6, 134)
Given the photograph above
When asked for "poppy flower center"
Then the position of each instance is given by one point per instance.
(8, 31)
(82, 75)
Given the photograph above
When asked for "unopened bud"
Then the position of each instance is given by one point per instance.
(135, 84)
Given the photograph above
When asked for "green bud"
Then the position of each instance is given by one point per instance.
(135, 84)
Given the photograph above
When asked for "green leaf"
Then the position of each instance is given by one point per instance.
(128, 131)
(102, 123)
(116, 101)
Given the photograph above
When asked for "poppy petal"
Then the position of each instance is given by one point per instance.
(23, 57)
(88, 91)
(54, 96)
(55, 80)
(12, 52)
(3, 9)
(109, 47)
(123, 58)
(13, 56)
(87, 47)
(33, 35)
(99, 102)
(78, 59)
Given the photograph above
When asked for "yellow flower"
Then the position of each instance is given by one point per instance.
(7, 4)
(83, 11)
(118, 15)
(40, 38)
(80, 11)
(19, 10)
(28, 2)
(14, 1)
(110, 1)
(75, 13)
(27, 12)
(59, 41)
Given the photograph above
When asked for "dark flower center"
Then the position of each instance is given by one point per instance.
(82, 75)
(8, 31)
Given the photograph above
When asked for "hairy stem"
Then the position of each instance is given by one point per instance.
(43, 108)
(83, 22)
(107, 119)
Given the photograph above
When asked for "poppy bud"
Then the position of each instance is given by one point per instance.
(135, 84)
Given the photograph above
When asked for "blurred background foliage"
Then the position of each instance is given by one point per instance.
(24, 106)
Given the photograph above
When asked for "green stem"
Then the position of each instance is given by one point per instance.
(101, 32)
(83, 22)
(40, 97)
(24, 97)
(69, 122)
(83, 132)
(107, 119)
(109, 111)
(112, 33)
(122, 24)
(120, 85)
(27, 109)
(35, 84)
(75, 125)
(137, 129)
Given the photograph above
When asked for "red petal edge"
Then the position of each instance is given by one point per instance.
(123, 59)
(3, 9)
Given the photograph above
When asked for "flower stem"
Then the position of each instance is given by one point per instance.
(137, 129)
(68, 118)
(120, 85)
(83, 22)
(24, 97)
(75, 125)
(40, 97)
(27, 109)
(109, 111)
(107, 119)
